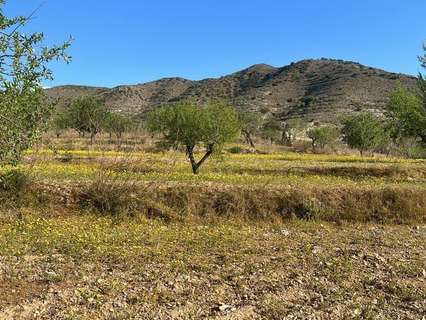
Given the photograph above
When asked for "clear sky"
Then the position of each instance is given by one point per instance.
(134, 41)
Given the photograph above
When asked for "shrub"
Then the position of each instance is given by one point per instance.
(109, 196)
(112, 196)
(13, 181)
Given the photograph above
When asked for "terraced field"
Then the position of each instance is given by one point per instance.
(92, 234)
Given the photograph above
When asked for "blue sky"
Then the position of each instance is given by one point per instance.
(131, 41)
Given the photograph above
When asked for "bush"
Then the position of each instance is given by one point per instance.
(13, 188)
(109, 196)
(13, 181)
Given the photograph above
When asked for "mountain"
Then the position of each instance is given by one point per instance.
(312, 89)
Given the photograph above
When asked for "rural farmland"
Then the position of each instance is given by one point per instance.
(228, 160)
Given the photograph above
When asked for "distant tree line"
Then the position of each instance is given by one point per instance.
(215, 123)
(89, 116)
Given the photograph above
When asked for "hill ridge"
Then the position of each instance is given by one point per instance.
(314, 89)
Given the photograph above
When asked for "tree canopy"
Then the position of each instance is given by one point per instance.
(187, 124)
(363, 131)
(407, 109)
(321, 136)
(116, 124)
(87, 115)
(406, 114)
(272, 129)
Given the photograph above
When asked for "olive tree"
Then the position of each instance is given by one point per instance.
(272, 129)
(363, 131)
(404, 111)
(24, 111)
(59, 122)
(87, 115)
(322, 136)
(407, 110)
(251, 125)
(116, 124)
(421, 84)
(188, 125)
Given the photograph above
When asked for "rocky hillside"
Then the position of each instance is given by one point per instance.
(312, 89)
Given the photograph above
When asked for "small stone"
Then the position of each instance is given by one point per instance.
(285, 232)
(224, 307)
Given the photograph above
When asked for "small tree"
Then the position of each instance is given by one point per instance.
(59, 123)
(363, 131)
(24, 111)
(116, 124)
(251, 125)
(322, 136)
(87, 115)
(272, 129)
(406, 114)
(186, 124)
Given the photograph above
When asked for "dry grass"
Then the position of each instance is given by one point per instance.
(102, 233)
(88, 267)
(253, 187)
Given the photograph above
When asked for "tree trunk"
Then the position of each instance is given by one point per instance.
(92, 137)
(249, 140)
(194, 164)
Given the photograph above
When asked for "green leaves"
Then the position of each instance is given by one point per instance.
(87, 115)
(23, 66)
(116, 123)
(272, 129)
(186, 124)
(219, 124)
(321, 136)
(364, 131)
(406, 113)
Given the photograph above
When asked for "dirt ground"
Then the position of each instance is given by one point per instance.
(88, 267)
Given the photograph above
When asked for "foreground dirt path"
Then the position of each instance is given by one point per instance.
(92, 268)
